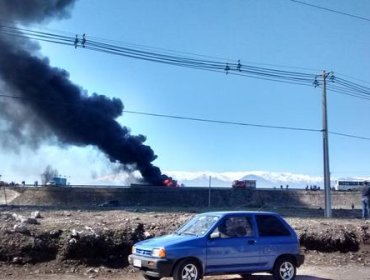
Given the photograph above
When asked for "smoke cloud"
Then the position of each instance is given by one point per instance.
(56, 105)
(31, 11)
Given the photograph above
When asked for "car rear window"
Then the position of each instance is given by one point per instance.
(269, 225)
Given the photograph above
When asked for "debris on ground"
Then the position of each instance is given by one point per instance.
(93, 241)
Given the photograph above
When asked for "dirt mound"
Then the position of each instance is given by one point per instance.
(109, 248)
(331, 240)
(95, 238)
(329, 236)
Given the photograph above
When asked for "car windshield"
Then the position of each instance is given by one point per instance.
(199, 225)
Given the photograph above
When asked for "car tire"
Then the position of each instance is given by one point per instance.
(148, 277)
(187, 270)
(284, 269)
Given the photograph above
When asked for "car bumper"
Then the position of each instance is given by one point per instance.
(152, 266)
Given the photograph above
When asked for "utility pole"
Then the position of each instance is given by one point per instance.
(326, 149)
(209, 192)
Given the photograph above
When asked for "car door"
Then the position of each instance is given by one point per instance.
(275, 239)
(233, 245)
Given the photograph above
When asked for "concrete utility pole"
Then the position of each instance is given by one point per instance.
(327, 187)
(209, 192)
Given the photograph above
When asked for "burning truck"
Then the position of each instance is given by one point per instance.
(168, 182)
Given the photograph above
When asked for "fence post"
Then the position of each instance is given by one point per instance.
(6, 201)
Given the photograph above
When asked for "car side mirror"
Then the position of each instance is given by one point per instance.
(215, 235)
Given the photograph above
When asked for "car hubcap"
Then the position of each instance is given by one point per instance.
(190, 272)
(286, 271)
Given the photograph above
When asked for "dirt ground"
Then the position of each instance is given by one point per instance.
(306, 272)
(85, 244)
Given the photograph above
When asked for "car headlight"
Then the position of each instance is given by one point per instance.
(133, 250)
(159, 253)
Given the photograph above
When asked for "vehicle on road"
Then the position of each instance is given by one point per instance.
(348, 185)
(216, 243)
(244, 184)
(58, 182)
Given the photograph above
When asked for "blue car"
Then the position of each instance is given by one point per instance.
(217, 243)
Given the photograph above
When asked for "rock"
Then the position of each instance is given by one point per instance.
(75, 233)
(21, 229)
(92, 270)
(24, 220)
(55, 233)
(67, 214)
(148, 234)
(36, 215)
(17, 260)
(15, 216)
(31, 221)
(72, 241)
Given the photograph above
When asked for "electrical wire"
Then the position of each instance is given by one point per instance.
(330, 10)
(213, 121)
(236, 68)
(221, 122)
(349, 135)
(188, 118)
(335, 84)
(341, 86)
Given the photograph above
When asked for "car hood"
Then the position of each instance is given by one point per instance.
(165, 241)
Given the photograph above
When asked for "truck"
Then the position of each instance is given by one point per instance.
(58, 182)
(244, 184)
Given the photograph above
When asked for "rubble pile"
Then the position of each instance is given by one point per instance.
(19, 245)
(109, 248)
(106, 237)
(331, 240)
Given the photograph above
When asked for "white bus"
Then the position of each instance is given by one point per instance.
(348, 185)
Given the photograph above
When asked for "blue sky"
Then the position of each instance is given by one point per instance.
(278, 34)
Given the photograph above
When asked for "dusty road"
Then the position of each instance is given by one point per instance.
(304, 273)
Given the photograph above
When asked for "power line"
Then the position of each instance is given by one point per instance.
(171, 58)
(338, 84)
(349, 135)
(331, 10)
(192, 118)
(221, 121)
(4, 23)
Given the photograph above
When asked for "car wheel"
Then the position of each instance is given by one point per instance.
(187, 270)
(285, 269)
(148, 277)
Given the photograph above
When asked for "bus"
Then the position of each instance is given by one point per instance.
(348, 185)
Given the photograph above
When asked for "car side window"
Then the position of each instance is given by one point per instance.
(236, 226)
(269, 225)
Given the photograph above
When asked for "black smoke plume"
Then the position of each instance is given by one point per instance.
(47, 94)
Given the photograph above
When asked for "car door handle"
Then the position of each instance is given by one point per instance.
(251, 242)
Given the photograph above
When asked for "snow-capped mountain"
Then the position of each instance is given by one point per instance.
(264, 179)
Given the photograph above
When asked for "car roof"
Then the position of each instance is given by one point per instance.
(224, 213)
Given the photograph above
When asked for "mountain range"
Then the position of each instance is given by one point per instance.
(264, 179)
